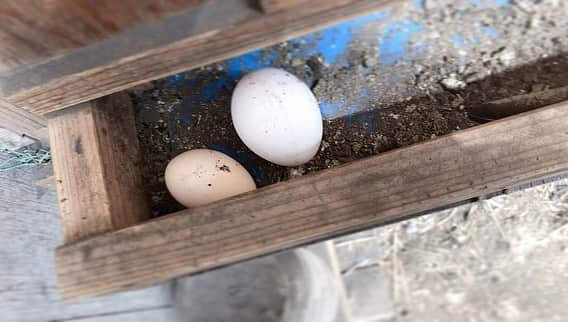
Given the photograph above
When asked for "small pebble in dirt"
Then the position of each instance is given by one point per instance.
(297, 62)
(453, 83)
(410, 108)
(507, 57)
(370, 61)
(297, 172)
(324, 145)
(457, 102)
(356, 147)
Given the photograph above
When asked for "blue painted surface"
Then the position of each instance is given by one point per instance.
(489, 31)
(331, 44)
(419, 3)
(334, 41)
(393, 43)
(329, 109)
(176, 80)
(502, 3)
(459, 40)
(240, 65)
(397, 41)
(499, 3)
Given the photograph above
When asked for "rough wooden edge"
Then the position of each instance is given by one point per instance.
(95, 160)
(361, 194)
(271, 6)
(22, 122)
(238, 36)
(32, 30)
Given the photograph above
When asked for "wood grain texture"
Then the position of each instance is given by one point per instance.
(22, 122)
(12, 141)
(364, 193)
(150, 315)
(81, 76)
(29, 232)
(95, 158)
(270, 6)
(37, 29)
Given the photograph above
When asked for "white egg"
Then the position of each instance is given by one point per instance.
(277, 116)
(199, 177)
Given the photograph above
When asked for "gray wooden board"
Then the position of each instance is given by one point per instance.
(12, 141)
(29, 233)
(21, 122)
(153, 315)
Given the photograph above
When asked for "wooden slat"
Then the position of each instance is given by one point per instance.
(29, 232)
(95, 159)
(365, 193)
(22, 122)
(86, 74)
(270, 6)
(165, 314)
(37, 29)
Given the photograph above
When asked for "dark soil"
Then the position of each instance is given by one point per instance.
(162, 113)
(548, 73)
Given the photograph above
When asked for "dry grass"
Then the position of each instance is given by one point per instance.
(499, 259)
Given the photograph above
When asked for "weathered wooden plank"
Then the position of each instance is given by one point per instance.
(22, 122)
(226, 28)
(12, 141)
(270, 6)
(365, 193)
(29, 232)
(36, 29)
(151, 315)
(95, 158)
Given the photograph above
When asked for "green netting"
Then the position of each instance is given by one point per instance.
(22, 158)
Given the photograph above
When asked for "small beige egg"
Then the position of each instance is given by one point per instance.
(199, 177)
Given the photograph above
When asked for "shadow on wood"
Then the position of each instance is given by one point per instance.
(365, 193)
